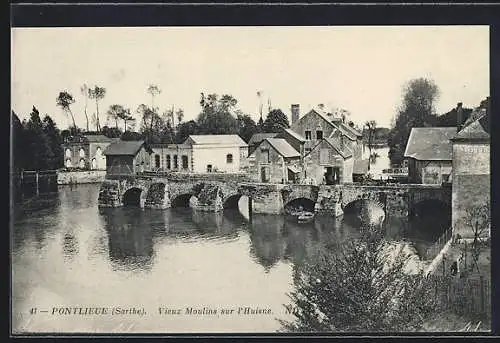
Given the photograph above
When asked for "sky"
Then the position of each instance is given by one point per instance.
(361, 69)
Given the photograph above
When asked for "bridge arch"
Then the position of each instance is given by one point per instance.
(431, 207)
(182, 200)
(231, 201)
(303, 203)
(132, 196)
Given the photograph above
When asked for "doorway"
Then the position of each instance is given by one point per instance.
(332, 176)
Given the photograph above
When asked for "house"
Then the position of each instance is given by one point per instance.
(127, 158)
(276, 161)
(317, 124)
(429, 154)
(329, 162)
(86, 151)
(256, 139)
(471, 168)
(222, 153)
(294, 139)
(172, 157)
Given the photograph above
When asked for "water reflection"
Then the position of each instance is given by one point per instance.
(130, 238)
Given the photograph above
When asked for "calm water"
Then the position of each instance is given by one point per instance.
(70, 254)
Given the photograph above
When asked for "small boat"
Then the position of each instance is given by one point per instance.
(305, 217)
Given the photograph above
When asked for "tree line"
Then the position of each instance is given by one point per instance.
(37, 141)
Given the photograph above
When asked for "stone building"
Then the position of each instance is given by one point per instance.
(317, 124)
(429, 154)
(86, 151)
(471, 169)
(276, 161)
(329, 163)
(127, 158)
(172, 157)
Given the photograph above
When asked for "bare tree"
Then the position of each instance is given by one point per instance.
(84, 89)
(154, 91)
(65, 100)
(98, 94)
(477, 219)
(370, 127)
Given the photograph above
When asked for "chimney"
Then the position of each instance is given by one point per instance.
(295, 113)
(459, 116)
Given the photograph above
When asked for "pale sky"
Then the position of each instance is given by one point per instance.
(361, 69)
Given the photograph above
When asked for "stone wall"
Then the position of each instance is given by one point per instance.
(73, 177)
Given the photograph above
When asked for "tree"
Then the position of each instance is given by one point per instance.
(247, 127)
(417, 110)
(18, 143)
(65, 100)
(111, 132)
(478, 220)
(98, 94)
(131, 136)
(115, 112)
(370, 127)
(217, 116)
(180, 115)
(167, 134)
(126, 117)
(84, 89)
(154, 91)
(37, 143)
(53, 137)
(362, 285)
(184, 130)
(276, 121)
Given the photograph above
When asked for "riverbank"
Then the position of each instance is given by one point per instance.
(77, 177)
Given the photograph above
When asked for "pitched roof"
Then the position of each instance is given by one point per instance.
(124, 148)
(218, 139)
(345, 131)
(283, 147)
(478, 129)
(430, 143)
(336, 122)
(353, 130)
(361, 167)
(97, 138)
(295, 135)
(343, 151)
(259, 137)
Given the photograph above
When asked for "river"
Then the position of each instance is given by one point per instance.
(70, 253)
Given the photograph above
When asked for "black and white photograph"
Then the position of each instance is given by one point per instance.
(250, 179)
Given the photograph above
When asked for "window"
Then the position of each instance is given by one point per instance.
(323, 156)
(264, 156)
(68, 153)
(157, 161)
(319, 134)
(308, 135)
(82, 152)
(209, 168)
(184, 162)
(229, 158)
(168, 162)
(176, 163)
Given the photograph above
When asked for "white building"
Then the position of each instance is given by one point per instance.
(217, 153)
(202, 154)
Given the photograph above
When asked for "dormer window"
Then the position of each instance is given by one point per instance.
(308, 135)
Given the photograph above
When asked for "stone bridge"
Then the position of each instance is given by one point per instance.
(214, 192)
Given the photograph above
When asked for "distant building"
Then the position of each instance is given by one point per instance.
(86, 151)
(471, 168)
(127, 158)
(276, 161)
(429, 154)
(329, 162)
(217, 153)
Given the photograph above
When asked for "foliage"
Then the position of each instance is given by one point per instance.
(97, 93)
(216, 116)
(131, 136)
(115, 112)
(111, 132)
(355, 287)
(417, 110)
(247, 127)
(478, 220)
(184, 130)
(276, 121)
(65, 100)
(37, 143)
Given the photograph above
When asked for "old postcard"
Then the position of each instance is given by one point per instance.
(250, 179)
